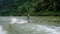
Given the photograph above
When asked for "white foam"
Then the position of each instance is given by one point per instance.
(38, 28)
(35, 28)
(15, 20)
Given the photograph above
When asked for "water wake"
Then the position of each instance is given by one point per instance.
(35, 28)
(15, 20)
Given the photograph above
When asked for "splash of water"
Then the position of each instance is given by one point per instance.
(15, 20)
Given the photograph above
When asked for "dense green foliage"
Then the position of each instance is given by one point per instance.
(32, 7)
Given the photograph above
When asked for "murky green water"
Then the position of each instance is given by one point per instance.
(37, 25)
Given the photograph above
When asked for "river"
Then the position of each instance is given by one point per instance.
(37, 25)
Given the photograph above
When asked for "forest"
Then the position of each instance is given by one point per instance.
(31, 7)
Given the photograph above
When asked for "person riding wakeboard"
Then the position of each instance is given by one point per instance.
(28, 18)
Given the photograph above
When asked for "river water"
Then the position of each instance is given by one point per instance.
(37, 25)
